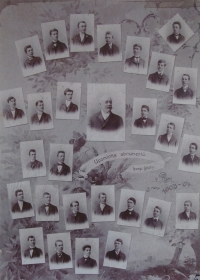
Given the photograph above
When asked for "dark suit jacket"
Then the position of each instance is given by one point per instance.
(18, 114)
(129, 215)
(37, 252)
(132, 63)
(172, 39)
(53, 210)
(32, 63)
(107, 210)
(163, 140)
(111, 255)
(107, 51)
(65, 170)
(183, 216)
(26, 207)
(155, 79)
(45, 118)
(113, 122)
(187, 160)
(88, 263)
(86, 41)
(34, 165)
(63, 259)
(72, 108)
(80, 218)
(59, 48)
(140, 123)
(179, 93)
(149, 222)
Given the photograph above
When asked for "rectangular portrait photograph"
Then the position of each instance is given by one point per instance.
(103, 203)
(106, 112)
(117, 249)
(32, 158)
(109, 42)
(144, 116)
(156, 216)
(75, 211)
(185, 85)
(187, 210)
(55, 39)
(137, 55)
(59, 250)
(40, 111)
(47, 203)
(68, 102)
(60, 162)
(190, 154)
(30, 56)
(13, 107)
(32, 245)
(20, 200)
(82, 33)
(160, 71)
(169, 133)
(130, 208)
(87, 256)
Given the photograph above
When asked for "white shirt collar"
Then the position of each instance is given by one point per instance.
(20, 204)
(155, 218)
(169, 137)
(102, 206)
(160, 73)
(67, 103)
(117, 253)
(105, 115)
(110, 45)
(185, 87)
(188, 214)
(82, 36)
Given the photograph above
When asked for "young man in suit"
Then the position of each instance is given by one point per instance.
(192, 158)
(109, 49)
(185, 92)
(130, 214)
(40, 117)
(102, 208)
(155, 222)
(187, 215)
(47, 209)
(176, 37)
(32, 251)
(60, 257)
(69, 106)
(60, 168)
(116, 254)
(21, 205)
(144, 121)
(31, 61)
(159, 77)
(56, 46)
(76, 217)
(135, 61)
(14, 113)
(82, 39)
(86, 261)
(168, 138)
(34, 163)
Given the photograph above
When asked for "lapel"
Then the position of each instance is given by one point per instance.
(104, 122)
(69, 108)
(110, 50)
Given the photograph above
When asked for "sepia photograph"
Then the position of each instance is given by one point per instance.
(109, 42)
(40, 111)
(32, 158)
(55, 39)
(87, 256)
(68, 102)
(13, 107)
(137, 55)
(30, 56)
(106, 112)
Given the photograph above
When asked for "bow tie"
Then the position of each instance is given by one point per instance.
(155, 220)
(60, 164)
(46, 206)
(144, 119)
(31, 249)
(59, 255)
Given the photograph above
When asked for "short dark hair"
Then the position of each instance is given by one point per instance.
(52, 30)
(119, 240)
(189, 202)
(31, 151)
(162, 61)
(30, 236)
(86, 246)
(176, 22)
(10, 98)
(132, 199)
(158, 207)
(26, 47)
(17, 191)
(109, 33)
(194, 144)
(58, 241)
(68, 89)
(171, 123)
(146, 107)
(46, 193)
(60, 152)
(187, 76)
(71, 204)
(36, 103)
(137, 45)
(101, 193)
(81, 22)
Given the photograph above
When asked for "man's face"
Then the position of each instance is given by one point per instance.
(32, 156)
(170, 129)
(29, 52)
(54, 36)
(40, 106)
(61, 157)
(109, 38)
(106, 105)
(31, 242)
(136, 51)
(161, 66)
(12, 103)
(102, 198)
(193, 150)
(130, 204)
(87, 251)
(69, 95)
(59, 247)
(185, 80)
(156, 213)
(75, 207)
(20, 196)
(47, 198)
(144, 112)
(187, 206)
(82, 27)
(176, 29)
(117, 245)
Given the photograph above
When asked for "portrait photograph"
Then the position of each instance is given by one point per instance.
(109, 42)
(169, 133)
(13, 107)
(60, 162)
(55, 39)
(82, 33)
(68, 102)
(32, 158)
(47, 203)
(156, 216)
(160, 71)
(20, 200)
(117, 249)
(30, 56)
(190, 154)
(176, 32)
(106, 112)
(32, 245)
(40, 111)
(103, 203)
(185, 85)
(59, 250)
(87, 256)
(144, 116)
(75, 211)
(137, 55)
(130, 208)
(187, 210)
